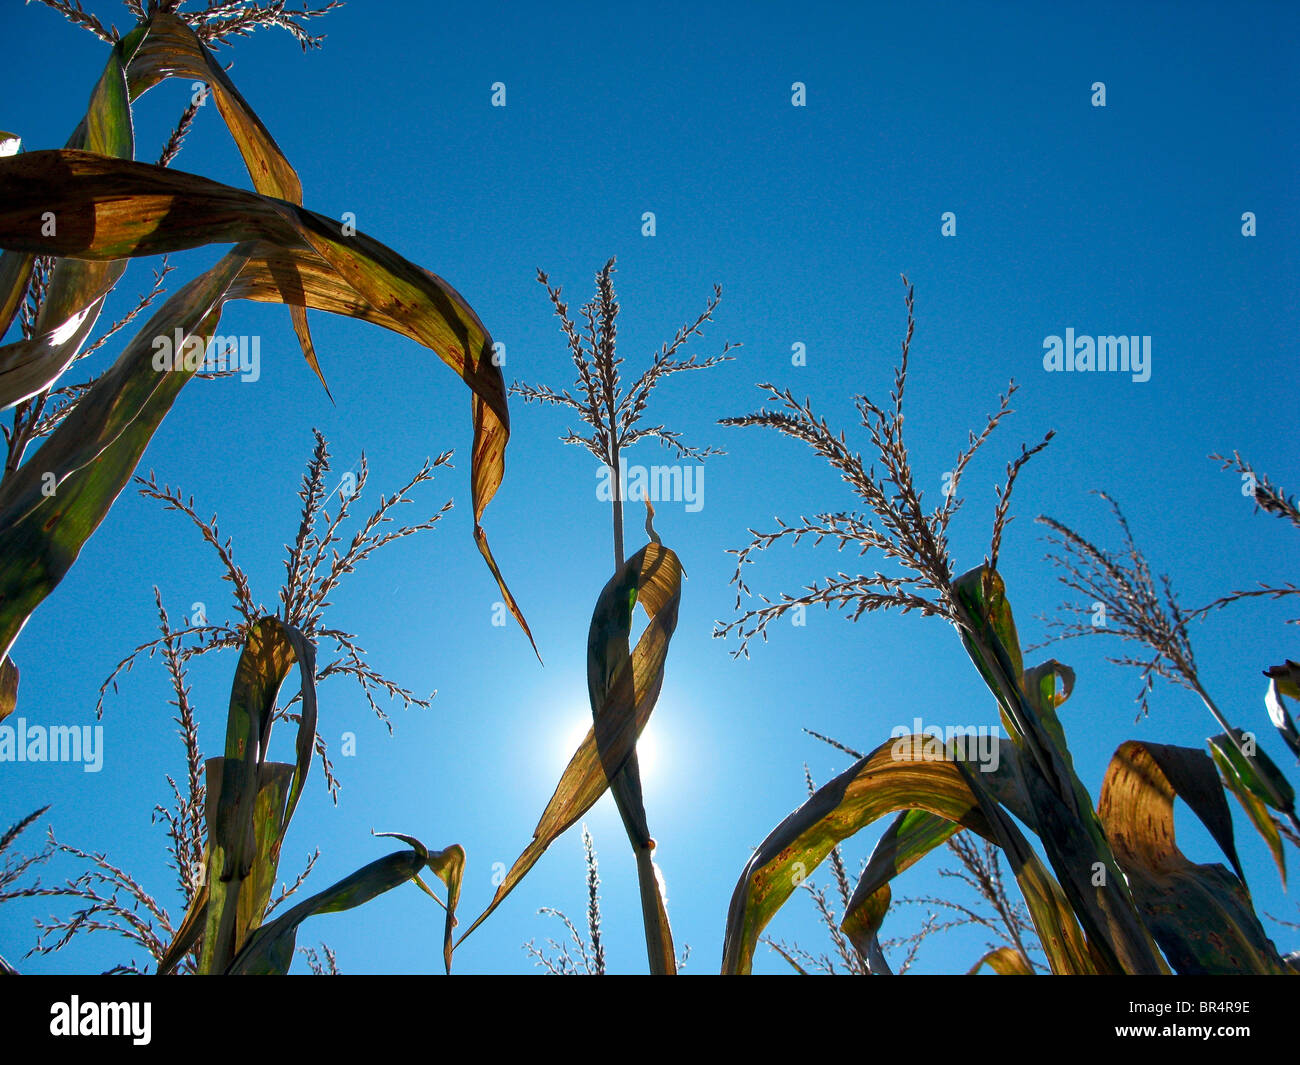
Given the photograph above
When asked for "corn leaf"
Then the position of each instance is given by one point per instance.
(1064, 817)
(887, 780)
(1201, 915)
(15, 269)
(188, 934)
(172, 49)
(50, 505)
(915, 833)
(1256, 809)
(448, 866)
(76, 290)
(651, 577)
(269, 950)
(611, 690)
(1254, 770)
(251, 800)
(15, 273)
(910, 837)
(1005, 961)
(112, 209)
(1283, 680)
(8, 687)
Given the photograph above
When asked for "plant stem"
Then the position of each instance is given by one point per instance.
(618, 511)
(661, 962)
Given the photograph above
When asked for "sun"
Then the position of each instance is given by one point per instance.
(647, 746)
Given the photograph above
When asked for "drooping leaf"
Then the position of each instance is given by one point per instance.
(1192, 776)
(887, 780)
(1257, 771)
(52, 503)
(910, 837)
(1201, 915)
(269, 950)
(76, 290)
(916, 832)
(1255, 807)
(172, 49)
(448, 866)
(111, 209)
(651, 577)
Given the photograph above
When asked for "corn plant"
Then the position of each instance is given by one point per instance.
(1120, 897)
(979, 868)
(1120, 590)
(72, 218)
(589, 959)
(227, 822)
(623, 688)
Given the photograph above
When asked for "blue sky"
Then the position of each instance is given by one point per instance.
(1117, 220)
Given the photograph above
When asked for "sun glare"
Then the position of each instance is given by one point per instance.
(647, 747)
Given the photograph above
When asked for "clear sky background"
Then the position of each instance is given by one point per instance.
(1117, 220)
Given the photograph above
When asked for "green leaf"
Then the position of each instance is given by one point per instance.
(50, 505)
(1063, 811)
(269, 950)
(1255, 808)
(76, 290)
(1284, 680)
(1255, 770)
(251, 800)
